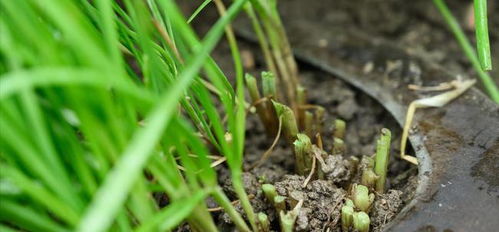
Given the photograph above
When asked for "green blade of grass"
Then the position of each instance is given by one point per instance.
(118, 183)
(487, 81)
(212, 114)
(68, 141)
(225, 203)
(227, 94)
(28, 156)
(41, 195)
(14, 82)
(195, 165)
(152, 74)
(12, 114)
(482, 34)
(78, 29)
(167, 175)
(262, 38)
(46, 146)
(236, 124)
(34, 29)
(173, 214)
(181, 150)
(4, 228)
(216, 76)
(27, 218)
(198, 10)
(205, 172)
(197, 115)
(110, 33)
(192, 108)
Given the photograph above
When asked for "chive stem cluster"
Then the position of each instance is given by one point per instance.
(286, 218)
(354, 213)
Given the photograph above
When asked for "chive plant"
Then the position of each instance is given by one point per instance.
(101, 102)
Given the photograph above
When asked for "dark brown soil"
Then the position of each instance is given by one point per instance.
(416, 26)
(322, 202)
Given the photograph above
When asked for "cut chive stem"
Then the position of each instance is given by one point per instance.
(289, 125)
(301, 100)
(280, 203)
(361, 221)
(367, 162)
(270, 92)
(319, 119)
(303, 147)
(261, 110)
(369, 178)
(287, 220)
(382, 159)
(339, 129)
(264, 113)
(361, 197)
(269, 85)
(338, 146)
(264, 222)
(281, 52)
(350, 203)
(252, 86)
(270, 192)
(309, 124)
(353, 165)
(346, 217)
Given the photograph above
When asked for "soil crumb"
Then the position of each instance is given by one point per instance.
(322, 201)
(386, 206)
(336, 169)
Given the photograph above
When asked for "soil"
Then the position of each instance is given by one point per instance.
(322, 202)
(414, 25)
